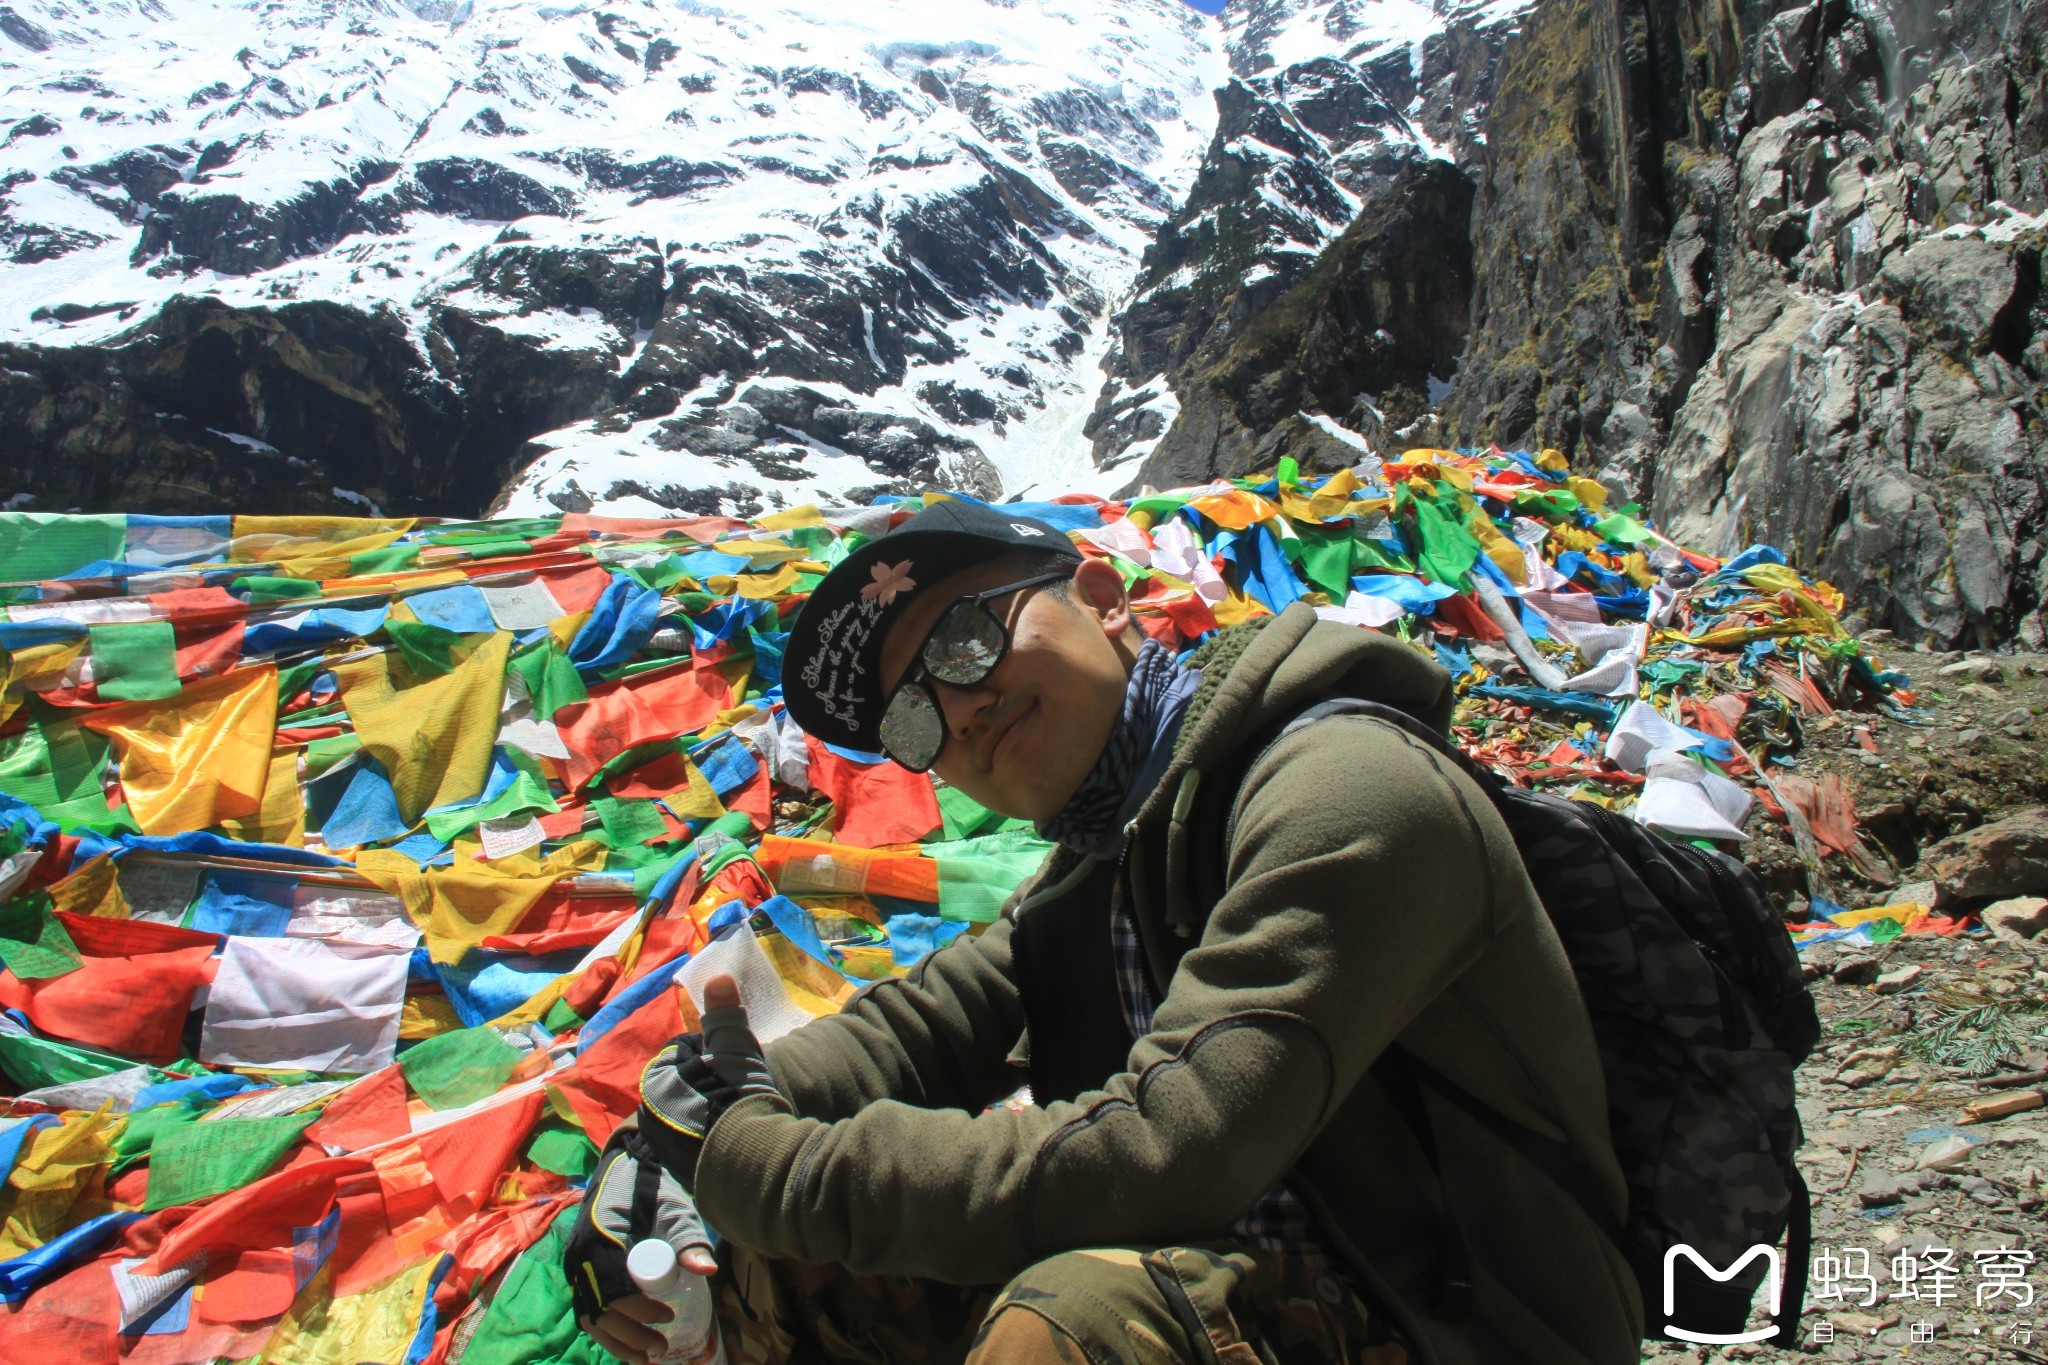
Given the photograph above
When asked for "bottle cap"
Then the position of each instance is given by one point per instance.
(653, 1265)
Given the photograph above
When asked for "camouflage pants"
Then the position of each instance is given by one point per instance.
(1216, 1301)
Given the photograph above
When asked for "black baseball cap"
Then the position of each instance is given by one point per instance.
(831, 671)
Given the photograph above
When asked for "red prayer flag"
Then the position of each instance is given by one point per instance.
(875, 803)
(1464, 614)
(368, 1112)
(648, 706)
(129, 995)
(603, 1087)
(468, 1155)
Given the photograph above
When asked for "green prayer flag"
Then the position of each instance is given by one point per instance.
(1448, 551)
(1324, 556)
(450, 1070)
(560, 1018)
(385, 559)
(261, 588)
(429, 649)
(136, 661)
(195, 1160)
(629, 822)
(531, 1317)
(551, 680)
(563, 1150)
(291, 681)
(36, 1062)
(39, 545)
(961, 816)
(33, 941)
(139, 1136)
(528, 792)
(1622, 529)
(977, 875)
(52, 763)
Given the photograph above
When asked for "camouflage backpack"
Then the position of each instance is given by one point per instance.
(1700, 1015)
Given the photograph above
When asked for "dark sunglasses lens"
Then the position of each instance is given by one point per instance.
(912, 728)
(965, 647)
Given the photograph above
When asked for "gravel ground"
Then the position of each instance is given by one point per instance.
(1947, 1217)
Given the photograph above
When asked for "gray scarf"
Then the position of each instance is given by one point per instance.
(1155, 699)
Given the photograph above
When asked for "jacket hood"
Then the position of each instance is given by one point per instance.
(1286, 662)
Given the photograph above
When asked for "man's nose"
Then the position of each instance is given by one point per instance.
(963, 706)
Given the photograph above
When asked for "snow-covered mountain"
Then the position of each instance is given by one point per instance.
(670, 253)
(1328, 104)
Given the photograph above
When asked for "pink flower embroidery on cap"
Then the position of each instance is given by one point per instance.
(890, 579)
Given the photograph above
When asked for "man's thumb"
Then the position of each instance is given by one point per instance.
(721, 991)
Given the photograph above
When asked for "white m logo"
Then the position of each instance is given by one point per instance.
(1024, 530)
(1775, 1279)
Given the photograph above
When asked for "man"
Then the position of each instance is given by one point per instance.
(1220, 989)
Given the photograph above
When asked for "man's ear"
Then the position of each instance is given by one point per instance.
(1099, 589)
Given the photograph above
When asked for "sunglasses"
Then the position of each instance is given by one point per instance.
(962, 648)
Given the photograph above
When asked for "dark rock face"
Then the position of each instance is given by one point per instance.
(208, 406)
(1749, 263)
(1358, 340)
(1301, 154)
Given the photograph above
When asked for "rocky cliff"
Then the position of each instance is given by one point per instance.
(1339, 120)
(1774, 269)
(1771, 268)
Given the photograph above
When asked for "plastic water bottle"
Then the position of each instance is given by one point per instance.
(693, 1332)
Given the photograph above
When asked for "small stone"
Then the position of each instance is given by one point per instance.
(1943, 1154)
(2021, 917)
(2018, 715)
(1900, 979)
(1976, 668)
(1981, 692)
(1920, 893)
(1856, 971)
(1867, 1066)
(1880, 1190)
(1969, 739)
(1871, 760)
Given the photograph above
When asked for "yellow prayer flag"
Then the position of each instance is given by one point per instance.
(300, 543)
(457, 907)
(697, 801)
(432, 732)
(1591, 493)
(376, 1323)
(1237, 609)
(762, 587)
(762, 551)
(816, 988)
(193, 760)
(93, 889)
(1506, 554)
(59, 1180)
(426, 1016)
(282, 817)
(791, 519)
(1234, 510)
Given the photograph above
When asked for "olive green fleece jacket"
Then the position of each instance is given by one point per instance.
(1367, 893)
